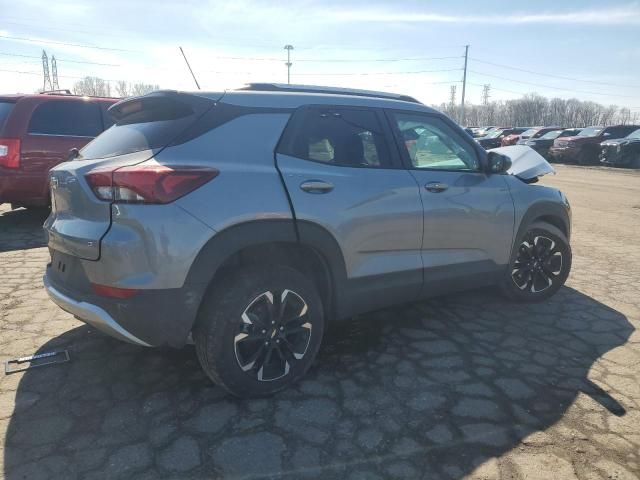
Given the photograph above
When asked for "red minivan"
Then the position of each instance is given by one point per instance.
(36, 133)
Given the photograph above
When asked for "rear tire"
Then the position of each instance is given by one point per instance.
(539, 266)
(259, 330)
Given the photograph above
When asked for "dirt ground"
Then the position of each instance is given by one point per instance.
(466, 386)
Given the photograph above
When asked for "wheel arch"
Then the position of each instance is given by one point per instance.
(553, 213)
(306, 246)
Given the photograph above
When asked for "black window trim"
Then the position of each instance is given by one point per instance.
(395, 160)
(404, 154)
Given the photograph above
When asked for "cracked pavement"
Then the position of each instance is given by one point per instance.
(464, 386)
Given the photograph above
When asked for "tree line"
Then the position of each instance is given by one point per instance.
(534, 109)
(98, 87)
(531, 109)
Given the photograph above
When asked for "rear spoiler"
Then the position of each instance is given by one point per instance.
(159, 105)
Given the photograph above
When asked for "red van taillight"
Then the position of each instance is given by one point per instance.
(10, 152)
(147, 183)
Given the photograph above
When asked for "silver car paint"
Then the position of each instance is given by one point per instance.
(374, 214)
(248, 186)
(79, 219)
(471, 221)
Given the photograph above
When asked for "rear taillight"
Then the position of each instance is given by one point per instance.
(147, 183)
(10, 152)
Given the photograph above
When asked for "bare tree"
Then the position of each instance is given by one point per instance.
(125, 89)
(533, 109)
(92, 86)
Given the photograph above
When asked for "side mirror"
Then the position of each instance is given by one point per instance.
(498, 163)
(73, 154)
(606, 134)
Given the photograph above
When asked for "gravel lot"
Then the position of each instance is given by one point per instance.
(466, 386)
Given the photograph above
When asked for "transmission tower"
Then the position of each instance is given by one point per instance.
(54, 73)
(452, 97)
(486, 89)
(45, 71)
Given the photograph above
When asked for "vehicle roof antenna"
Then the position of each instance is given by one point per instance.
(189, 67)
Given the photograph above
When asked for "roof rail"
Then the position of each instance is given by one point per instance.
(64, 91)
(282, 87)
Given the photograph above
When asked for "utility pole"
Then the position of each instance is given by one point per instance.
(288, 48)
(54, 73)
(45, 72)
(464, 83)
(485, 94)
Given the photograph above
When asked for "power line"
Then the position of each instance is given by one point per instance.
(53, 42)
(549, 86)
(62, 60)
(309, 74)
(573, 79)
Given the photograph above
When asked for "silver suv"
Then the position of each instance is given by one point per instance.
(247, 220)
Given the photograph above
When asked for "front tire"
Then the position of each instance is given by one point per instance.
(259, 330)
(540, 264)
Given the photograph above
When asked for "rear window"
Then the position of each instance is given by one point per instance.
(5, 110)
(66, 118)
(141, 125)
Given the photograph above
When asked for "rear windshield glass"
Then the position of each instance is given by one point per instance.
(5, 110)
(144, 130)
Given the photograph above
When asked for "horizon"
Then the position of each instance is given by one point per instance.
(581, 50)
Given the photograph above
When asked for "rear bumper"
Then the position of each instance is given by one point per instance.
(91, 314)
(150, 318)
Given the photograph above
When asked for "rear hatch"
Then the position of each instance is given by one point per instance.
(143, 127)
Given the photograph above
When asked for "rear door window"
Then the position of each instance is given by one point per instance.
(337, 136)
(66, 118)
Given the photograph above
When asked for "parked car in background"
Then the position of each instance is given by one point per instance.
(584, 148)
(482, 131)
(513, 138)
(623, 152)
(543, 143)
(36, 133)
(494, 138)
(248, 220)
(534, 133)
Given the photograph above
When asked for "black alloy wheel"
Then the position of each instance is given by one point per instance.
(272, 334)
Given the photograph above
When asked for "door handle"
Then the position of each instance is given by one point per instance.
(436, 187)
(316, 186)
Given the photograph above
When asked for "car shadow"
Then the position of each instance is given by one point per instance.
(22, 229)
(427, 390)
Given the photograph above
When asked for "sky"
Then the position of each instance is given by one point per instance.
(584, 49)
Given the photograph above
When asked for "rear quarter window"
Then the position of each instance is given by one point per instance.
(5, 111)
(66, 118)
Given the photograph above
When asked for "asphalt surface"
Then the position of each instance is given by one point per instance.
(466, 386)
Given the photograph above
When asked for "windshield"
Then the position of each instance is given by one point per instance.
(494, 134)
(634, 134)
(551, 135)
(590, 132)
